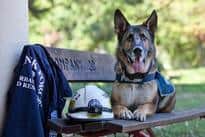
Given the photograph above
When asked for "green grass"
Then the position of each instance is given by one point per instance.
(190, 89)
(188, 76)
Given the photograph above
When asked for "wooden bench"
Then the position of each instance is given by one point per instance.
(92, 67)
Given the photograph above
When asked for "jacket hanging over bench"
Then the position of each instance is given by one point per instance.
(38, 89)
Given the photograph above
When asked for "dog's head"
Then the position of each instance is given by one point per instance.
(136, 50)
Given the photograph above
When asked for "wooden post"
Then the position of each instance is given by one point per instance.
(13, 35)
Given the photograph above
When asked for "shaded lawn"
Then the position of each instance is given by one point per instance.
(190, 96)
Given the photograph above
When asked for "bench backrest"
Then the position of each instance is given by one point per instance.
(79, 66)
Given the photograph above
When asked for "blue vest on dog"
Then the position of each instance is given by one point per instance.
(165, 87)
(37, 90)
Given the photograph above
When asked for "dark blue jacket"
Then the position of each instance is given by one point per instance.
(38, 88)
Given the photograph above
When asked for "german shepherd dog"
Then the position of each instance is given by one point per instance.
(136, 58)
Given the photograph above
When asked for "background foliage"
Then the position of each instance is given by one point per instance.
(88, 25)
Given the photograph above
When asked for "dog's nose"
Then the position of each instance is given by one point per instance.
(137, 51)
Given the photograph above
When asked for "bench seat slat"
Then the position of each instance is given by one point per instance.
(156, 120)
(66, 126)
(79, 66)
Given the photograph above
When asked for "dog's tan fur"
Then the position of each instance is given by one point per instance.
(137, 101)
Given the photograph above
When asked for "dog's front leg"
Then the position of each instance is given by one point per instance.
(122, 112)
(143, 111)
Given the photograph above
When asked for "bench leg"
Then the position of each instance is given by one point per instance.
(142, 133)
(150, 132)
(202, 117)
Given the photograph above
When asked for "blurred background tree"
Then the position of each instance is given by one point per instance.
(88, 25)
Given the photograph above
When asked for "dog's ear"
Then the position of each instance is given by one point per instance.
(121, 23)
(151, 22)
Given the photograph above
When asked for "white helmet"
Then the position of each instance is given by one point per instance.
(90, 103)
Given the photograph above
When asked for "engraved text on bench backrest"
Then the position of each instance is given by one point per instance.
(84, 66)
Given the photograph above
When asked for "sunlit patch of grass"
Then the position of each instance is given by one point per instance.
(188, 76)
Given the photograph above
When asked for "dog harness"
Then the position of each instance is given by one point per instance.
(165, 87)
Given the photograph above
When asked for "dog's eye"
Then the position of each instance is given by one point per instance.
(130, 38)
(149, 52)
(143, 37)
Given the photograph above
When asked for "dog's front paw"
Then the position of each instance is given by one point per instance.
(139, 115)
(125, 114)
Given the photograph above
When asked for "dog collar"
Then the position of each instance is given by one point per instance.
(146, 78)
